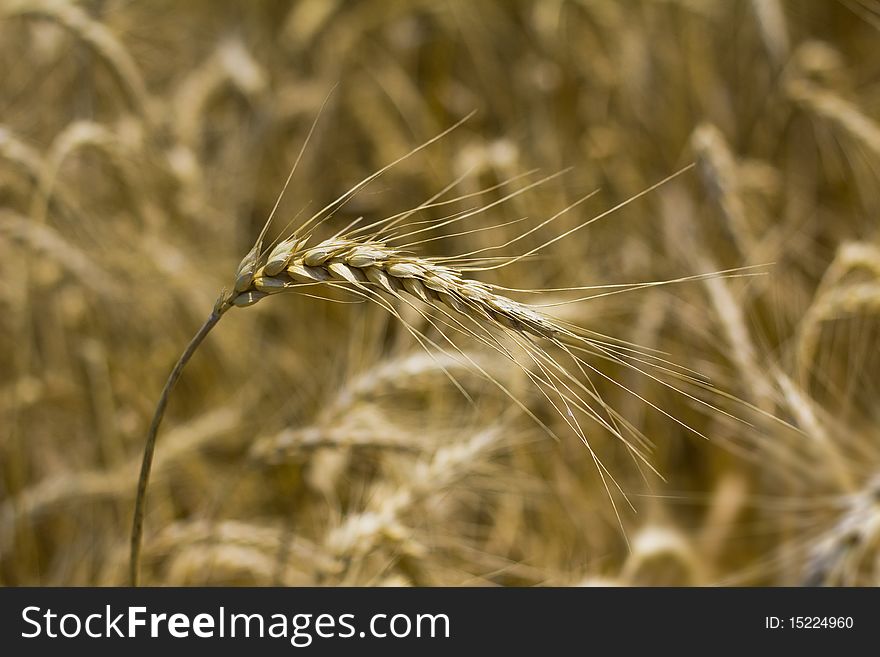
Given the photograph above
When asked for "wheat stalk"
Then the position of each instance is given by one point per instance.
(363, 264)
(367, 262)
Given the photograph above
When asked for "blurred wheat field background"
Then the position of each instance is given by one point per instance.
(315, 442)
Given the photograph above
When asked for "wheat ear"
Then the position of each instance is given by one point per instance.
(224, 302)
(357, 262)
(364, 261)
(368, 264)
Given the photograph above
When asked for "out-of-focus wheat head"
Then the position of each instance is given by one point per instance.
(142, 146)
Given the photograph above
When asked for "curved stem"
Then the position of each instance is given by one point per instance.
(137, 527)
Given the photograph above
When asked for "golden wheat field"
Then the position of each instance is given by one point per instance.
(538, 348)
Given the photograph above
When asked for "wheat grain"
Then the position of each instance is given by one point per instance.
(368, 264)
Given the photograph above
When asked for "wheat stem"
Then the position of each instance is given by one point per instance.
(137, 527)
